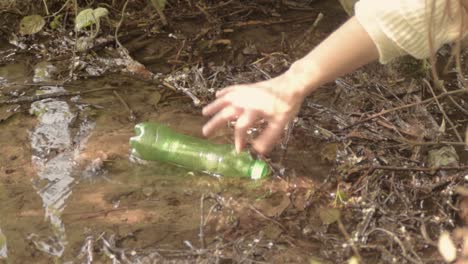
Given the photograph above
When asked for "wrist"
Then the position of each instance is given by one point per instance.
(304, 76)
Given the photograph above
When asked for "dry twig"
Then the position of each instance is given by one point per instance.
(443, 111)
(384, 112)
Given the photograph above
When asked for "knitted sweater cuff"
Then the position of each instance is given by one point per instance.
(400, 27)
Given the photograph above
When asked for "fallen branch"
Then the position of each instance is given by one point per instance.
(307, 34)
(33, 98)
(421, 169)
(384, 112)
(430, 143)
(271, 22)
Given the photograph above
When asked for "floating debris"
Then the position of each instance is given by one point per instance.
(44, 72)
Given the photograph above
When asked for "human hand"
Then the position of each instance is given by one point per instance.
(277, 101)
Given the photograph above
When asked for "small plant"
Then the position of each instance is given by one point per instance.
(30, 25)
(89, 18)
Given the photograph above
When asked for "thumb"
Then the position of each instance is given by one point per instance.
(266, 141)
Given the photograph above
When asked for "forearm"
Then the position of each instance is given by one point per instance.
(345, 50)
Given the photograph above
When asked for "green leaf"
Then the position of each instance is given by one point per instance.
(56, 22)
(31, 24)
(329, 215)
(100, 12)
(341, 196)
(159, 4)
(89, 16)
(85, 19)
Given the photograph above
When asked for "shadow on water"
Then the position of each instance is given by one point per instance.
(67, 180)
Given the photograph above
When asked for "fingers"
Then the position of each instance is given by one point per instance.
(227, 90)
(220, 119)
(269, 137)
(215, 107)
(244, 122)
(222, 92)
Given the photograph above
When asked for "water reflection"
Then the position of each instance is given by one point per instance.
(3, 245)
(54, 153)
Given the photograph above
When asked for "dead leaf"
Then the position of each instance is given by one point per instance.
(139, 70)
(329, 151)
(443, 156)
(272, 231)
(329, 215)
(274, 205)
(154, 98)
(6, 112)
(442, 126)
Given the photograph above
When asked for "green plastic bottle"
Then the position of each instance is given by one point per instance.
(154, 141)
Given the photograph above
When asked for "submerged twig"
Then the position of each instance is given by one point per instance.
(129, 110)
(33, 98)
(202, 222)
(186, 91)
(266, 217)
(348, 238)
(398, 241)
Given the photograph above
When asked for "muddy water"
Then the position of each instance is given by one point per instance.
(70, 193)
(67, 181)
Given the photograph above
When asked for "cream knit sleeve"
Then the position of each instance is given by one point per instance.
(400, 27)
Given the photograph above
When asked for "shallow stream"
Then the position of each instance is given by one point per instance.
(68, 182)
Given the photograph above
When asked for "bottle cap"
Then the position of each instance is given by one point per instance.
(258, 170)
(135, 141)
